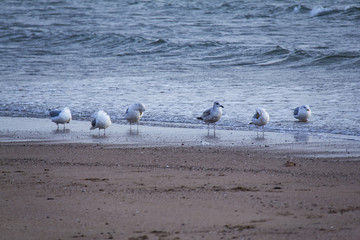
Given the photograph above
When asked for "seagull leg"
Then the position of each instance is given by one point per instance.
(263, 131)
(214, 129)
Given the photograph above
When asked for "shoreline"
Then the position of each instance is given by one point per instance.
(43, 131)
(78, 131)
(170, 183)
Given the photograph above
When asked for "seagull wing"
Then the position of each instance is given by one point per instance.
(206, 113)
(296, 111)
(93, 123)
(54, 113)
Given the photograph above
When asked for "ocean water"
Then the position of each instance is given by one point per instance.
(178, 57)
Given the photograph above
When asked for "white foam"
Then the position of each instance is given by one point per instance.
(296, 9)
(318, 10)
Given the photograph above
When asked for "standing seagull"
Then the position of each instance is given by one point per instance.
(62, 117)
(212, 115)
(302, 113)
(134, 113)
(101, 121)
(260, 118)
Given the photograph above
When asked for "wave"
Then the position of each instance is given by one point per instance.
(279, 56)
(213, 52)
(324, 11)
(222, 55)
(340, 60)
(235, 41)
(319, 11)
(277, 51)
(269, 11)
(35, 41)
(299, 9)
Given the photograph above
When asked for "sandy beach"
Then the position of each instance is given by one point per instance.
(175, 183)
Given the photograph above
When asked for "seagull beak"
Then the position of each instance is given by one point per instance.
(222, 106)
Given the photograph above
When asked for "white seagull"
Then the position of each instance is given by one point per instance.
(62, 117)
(102, 121)
(260, 118)
(134, 113)
(212, 115)
(302, 113)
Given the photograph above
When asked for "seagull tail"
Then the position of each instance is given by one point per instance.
(92, 128)
(200, 118)
(251, 123)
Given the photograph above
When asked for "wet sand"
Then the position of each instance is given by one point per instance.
(171, 183)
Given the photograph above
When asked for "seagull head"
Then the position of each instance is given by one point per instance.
(306, 107)
(217, 104)
(138, 107)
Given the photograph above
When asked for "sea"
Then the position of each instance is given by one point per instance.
(179, 56)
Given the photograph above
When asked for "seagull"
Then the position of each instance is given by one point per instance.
(260, 118)
(62, 117)
(101, 121)
(302, 113)
(134, 113)
(212, 115)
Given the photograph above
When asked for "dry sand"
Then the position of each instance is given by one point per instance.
(188, 186)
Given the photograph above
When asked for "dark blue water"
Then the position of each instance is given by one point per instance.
(177, 57)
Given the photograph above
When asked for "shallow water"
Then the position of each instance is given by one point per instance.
(177, 57)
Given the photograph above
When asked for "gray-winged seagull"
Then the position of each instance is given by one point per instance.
(302, 113)
(134, 113)
(102, 121)
(260, 118)
(212, 115)
(60, 117)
